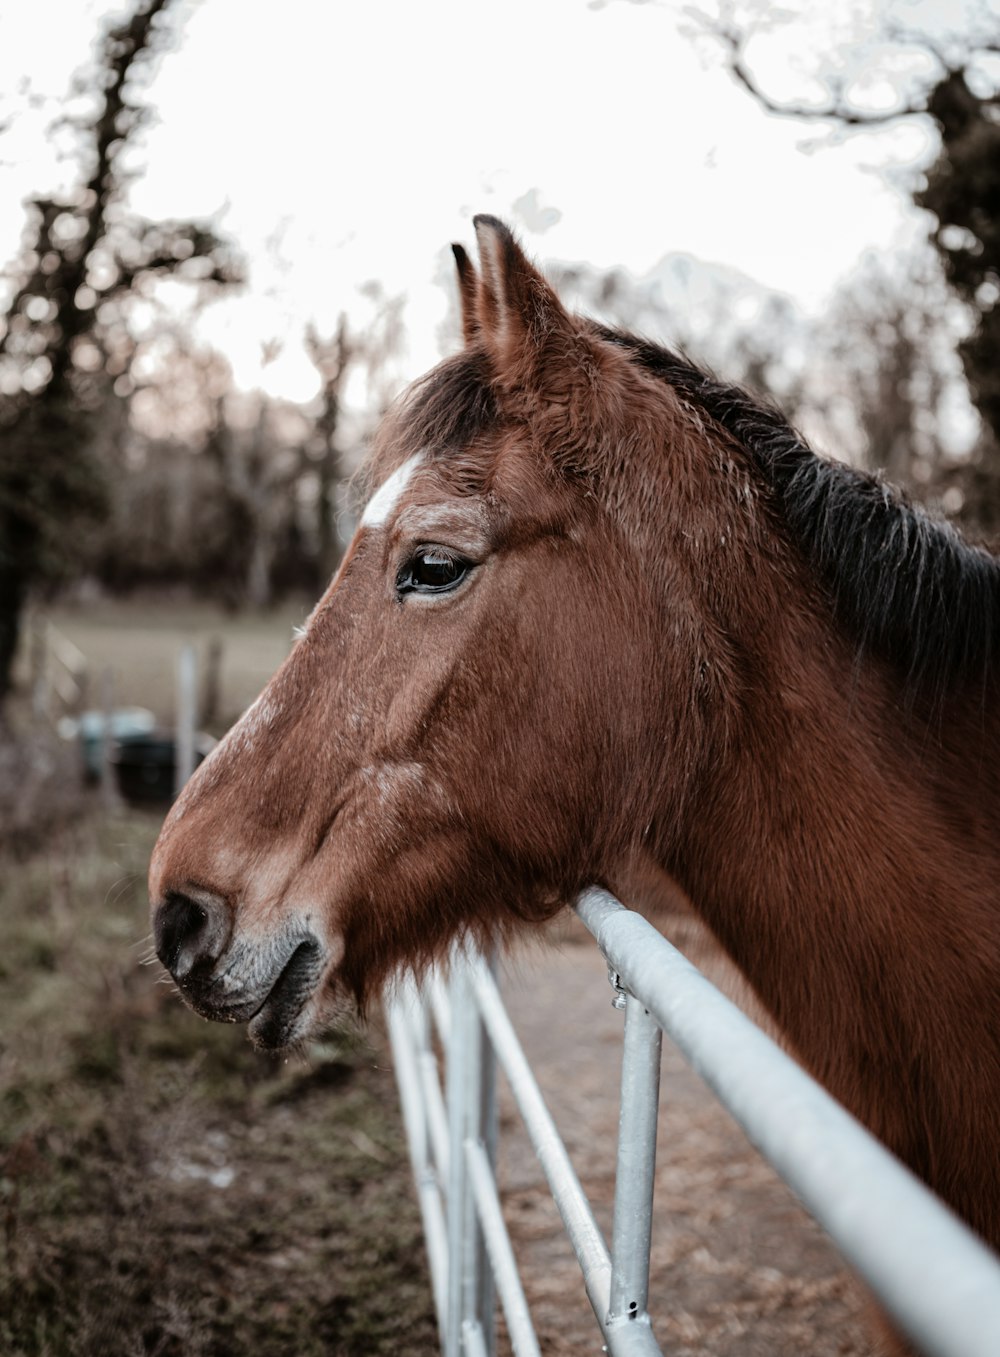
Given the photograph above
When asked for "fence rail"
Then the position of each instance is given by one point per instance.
(940, 1284)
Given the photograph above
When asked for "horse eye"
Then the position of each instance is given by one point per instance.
(431, 570)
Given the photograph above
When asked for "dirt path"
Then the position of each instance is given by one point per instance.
(738, 1269)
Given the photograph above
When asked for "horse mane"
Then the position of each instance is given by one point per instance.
(904, 585)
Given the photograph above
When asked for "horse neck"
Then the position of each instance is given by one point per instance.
(833, 805)
(843, 849)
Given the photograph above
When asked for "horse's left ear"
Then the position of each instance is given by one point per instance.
(468, 294)
(518, 314)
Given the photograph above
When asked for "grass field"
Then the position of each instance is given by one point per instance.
(163, 1188)
(140, 642)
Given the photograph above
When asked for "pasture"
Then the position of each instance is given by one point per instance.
(140, 640)
(164, 1188)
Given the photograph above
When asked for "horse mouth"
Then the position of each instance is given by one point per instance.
(273, 1026)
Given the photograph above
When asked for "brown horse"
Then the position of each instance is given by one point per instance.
(602, 614)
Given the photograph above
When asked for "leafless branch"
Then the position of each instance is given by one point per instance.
(837, 109)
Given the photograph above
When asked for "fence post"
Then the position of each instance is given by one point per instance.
(109, 788)
(632, 1222)
(488, 1135)
(187, 680)
(471, 1113)
(410, 1046)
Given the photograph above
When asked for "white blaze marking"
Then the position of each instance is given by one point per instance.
(387, 496)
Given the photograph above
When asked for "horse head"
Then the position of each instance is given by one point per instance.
(460, 738)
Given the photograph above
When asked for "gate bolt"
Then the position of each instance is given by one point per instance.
(614, 979)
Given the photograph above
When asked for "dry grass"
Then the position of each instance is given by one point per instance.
(40, 780)
(163, 1189)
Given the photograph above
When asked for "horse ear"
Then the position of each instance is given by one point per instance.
(517, 308)
(468, 289)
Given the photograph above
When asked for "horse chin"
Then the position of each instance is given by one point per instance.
(283, 1019)
(274, 1032)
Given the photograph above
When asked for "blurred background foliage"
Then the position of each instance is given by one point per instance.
(127, 457)
(161, 1192)
(909, 334)
(130, 460)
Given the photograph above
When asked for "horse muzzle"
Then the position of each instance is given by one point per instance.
(267, 985)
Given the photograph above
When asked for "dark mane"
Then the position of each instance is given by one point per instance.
(904, 585)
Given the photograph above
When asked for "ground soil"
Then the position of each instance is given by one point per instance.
(738, 1269)
(165, 1191)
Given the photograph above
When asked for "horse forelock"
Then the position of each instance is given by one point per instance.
(579, 411)
(444, 415)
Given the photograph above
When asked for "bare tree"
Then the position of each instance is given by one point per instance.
(260, 472)
(62, 341)
(842, 103)
(888, 380)
(958, 91)
(370, 349)
(332, 359)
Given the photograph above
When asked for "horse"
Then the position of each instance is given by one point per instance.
(606, 617)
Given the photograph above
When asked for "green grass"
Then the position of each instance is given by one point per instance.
(164, 1189)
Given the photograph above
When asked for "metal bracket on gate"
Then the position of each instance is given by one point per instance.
(620, 995)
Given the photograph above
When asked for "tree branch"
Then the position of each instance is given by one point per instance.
(838, 108)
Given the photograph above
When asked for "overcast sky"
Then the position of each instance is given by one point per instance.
(339, 143)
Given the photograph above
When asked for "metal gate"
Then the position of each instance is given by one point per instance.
(941, 1285)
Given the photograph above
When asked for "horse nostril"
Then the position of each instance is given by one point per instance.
(190, 931)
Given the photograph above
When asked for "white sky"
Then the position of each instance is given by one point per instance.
(362, 137)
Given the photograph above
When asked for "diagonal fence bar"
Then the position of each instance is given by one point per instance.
(502, 1261)
(570, 1198)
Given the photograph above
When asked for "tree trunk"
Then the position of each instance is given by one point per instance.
(259, 572)
(13, 596)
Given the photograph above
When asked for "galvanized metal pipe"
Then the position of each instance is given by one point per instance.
(488, 1130)
(462, 1073)
(187, 717)
(400, 1016)
(436, 1236)
(633, 1212)
(473, 1342)
(940, 1284)
(435, 1112)
(440, 1006)
(578, 1218)
(501, 1255)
